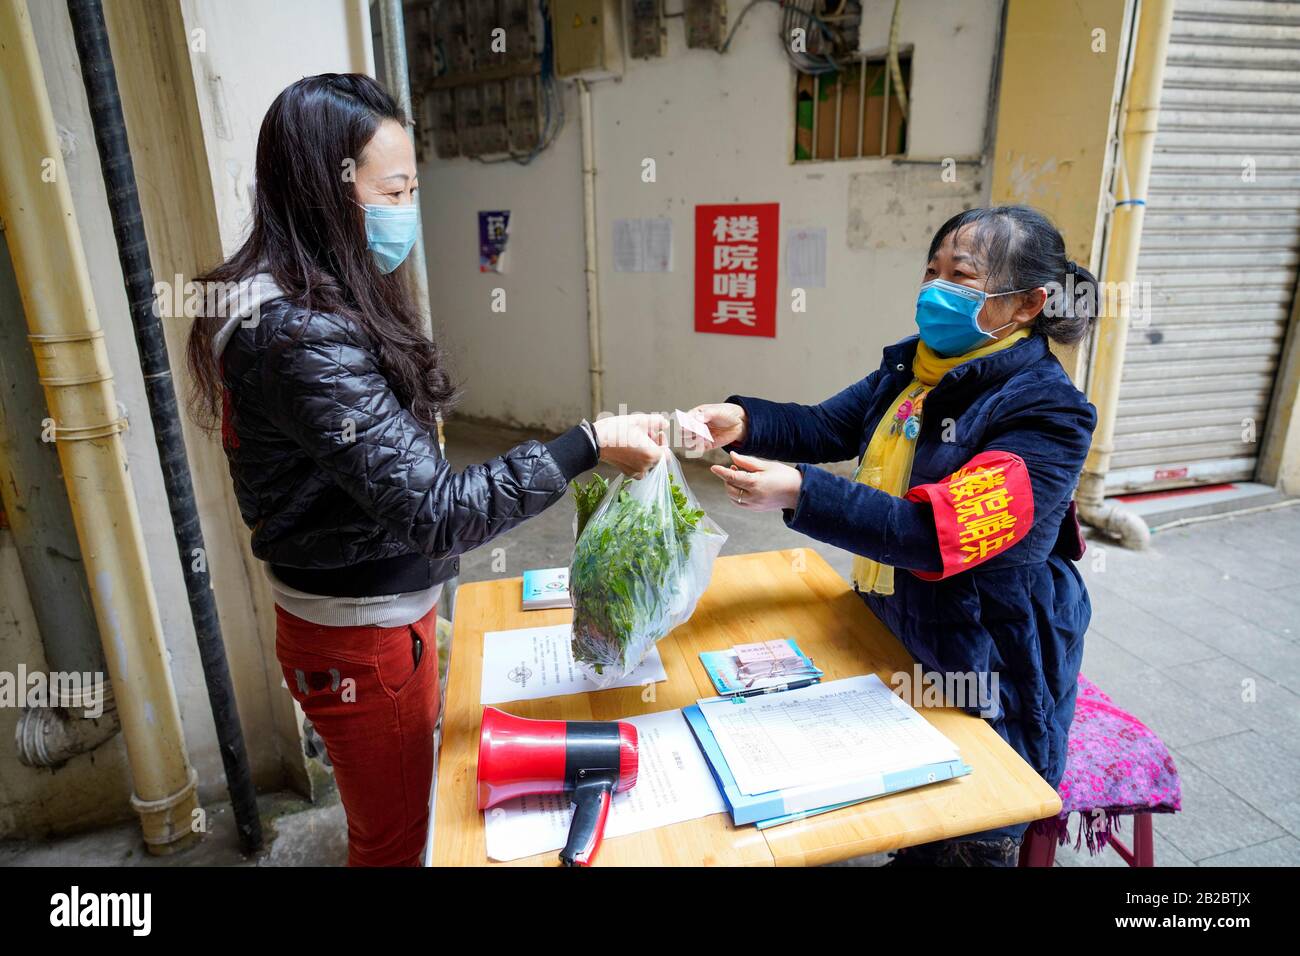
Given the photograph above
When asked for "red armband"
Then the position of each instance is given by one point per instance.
(980, 510)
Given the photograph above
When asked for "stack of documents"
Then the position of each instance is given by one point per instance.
(783, 756)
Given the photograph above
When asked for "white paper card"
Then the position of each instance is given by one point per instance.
(693, 426)
(533, 662)
(805, 258)
(832, 731)
(673, 784)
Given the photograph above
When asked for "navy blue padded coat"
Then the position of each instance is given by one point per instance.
(1020, 611)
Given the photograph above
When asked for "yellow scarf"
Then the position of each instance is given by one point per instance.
(887, 462)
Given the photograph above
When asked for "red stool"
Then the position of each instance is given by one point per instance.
(1039, 846)
(1116, 766)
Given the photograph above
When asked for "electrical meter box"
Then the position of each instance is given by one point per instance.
(588, 37)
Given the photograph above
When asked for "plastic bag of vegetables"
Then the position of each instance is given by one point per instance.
(644, 555)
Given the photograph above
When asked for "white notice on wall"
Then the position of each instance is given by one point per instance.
(805, 258)
(643, 245)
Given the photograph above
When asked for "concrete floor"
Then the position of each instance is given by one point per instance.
(1199, 636)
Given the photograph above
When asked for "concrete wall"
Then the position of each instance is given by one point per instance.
(239, 54)
(1054, 141)
(720, 129)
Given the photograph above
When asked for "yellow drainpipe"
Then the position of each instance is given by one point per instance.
(72, 362)
(1142, 105)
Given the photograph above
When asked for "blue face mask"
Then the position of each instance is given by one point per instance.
(947, 315)
(390, 233)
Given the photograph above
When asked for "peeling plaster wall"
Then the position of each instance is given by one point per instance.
(720, 129)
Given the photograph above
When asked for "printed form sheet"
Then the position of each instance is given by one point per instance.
(673, 784)
(533, 662)
(831, 731)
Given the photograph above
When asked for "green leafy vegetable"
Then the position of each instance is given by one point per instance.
(629, 566)
(587, 498)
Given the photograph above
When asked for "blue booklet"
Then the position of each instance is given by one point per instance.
(796, 803)
(721, 667)
(546, 588)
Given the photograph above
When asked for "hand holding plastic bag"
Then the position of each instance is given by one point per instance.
(643, 557)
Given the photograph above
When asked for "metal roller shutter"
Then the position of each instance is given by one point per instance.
(1220, 253)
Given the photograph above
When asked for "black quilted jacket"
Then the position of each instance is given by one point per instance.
(345, 492)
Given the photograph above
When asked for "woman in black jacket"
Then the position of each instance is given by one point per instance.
(309, 352)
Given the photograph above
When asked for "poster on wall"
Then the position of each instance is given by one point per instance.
(736, 268)
(493, 231)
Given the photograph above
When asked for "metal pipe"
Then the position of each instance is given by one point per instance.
(892, 56)
(40, 522)
(72, 364)
(96, 57)
(31, 492)
(360, 39)
(1142, 105)
(393, 33)
(51, 736)
(589, 241)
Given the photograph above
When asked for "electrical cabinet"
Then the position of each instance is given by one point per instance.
(478, 67)
(646, 32)
(588, 37)
(706, 23)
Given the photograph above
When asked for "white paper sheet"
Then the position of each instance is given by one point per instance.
(673, 784)
(805, 258)
(534, 662)
(643, 245)
(830, 731)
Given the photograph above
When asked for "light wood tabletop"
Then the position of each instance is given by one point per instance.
(752, 597)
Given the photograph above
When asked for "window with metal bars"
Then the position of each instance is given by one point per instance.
(851, 114)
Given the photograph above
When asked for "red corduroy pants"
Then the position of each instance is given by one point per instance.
(374, 706)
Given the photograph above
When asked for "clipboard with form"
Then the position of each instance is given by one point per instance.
(822, 735)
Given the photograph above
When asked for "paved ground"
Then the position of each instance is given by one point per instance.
(1199, 637)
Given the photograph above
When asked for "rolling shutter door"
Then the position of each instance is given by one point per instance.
(1219, 252)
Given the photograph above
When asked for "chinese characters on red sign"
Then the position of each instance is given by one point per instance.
(736, 268)
(980, 510)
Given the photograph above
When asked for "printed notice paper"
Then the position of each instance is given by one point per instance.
(842, 729)
(673, 784)
(805, 258)
(534, 662)
(643, 245)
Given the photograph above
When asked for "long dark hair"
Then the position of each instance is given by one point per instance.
(1023, 250)
(309, 234)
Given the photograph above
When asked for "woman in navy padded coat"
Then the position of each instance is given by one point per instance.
(970, 438)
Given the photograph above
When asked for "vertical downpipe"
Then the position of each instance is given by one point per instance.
(589, 243)
(393, 31)
(1155, 20)
(91, 36)
(72, 364)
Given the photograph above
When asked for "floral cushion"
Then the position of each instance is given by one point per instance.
(1115, 765)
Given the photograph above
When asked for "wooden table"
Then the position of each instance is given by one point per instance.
(752, 597)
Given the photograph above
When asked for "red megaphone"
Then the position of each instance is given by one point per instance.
(590, 759)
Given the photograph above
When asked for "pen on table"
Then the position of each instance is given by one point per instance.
(760, 691)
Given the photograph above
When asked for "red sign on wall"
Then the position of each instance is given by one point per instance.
(736, 268)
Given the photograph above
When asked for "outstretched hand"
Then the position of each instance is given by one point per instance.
(759, 485)
(726, 423)
(632, 443)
